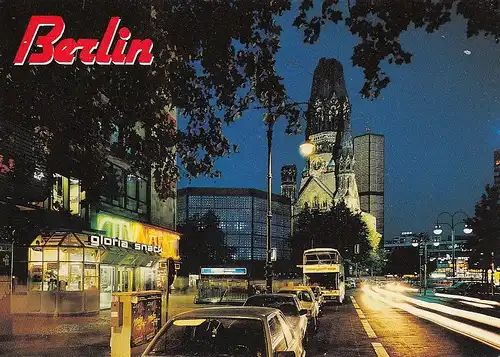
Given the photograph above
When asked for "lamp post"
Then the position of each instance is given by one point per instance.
(438, 230)
(424, 241)
(270, 120)
(306, 149)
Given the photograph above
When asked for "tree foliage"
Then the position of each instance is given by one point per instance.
(202, 244)
(214, 61)
(337, 228)
(486, 227)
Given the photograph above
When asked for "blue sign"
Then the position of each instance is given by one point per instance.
(223, 271)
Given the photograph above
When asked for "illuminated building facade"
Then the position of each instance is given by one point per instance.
(71, 256)
(369, 168)
(242, 213)
(496, 168)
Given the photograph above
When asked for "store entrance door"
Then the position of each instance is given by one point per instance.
(125, 279)
(107, 284)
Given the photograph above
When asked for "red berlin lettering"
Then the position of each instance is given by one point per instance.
(65, 51)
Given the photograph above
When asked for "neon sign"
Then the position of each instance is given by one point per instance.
(6, 167)
(136, 232)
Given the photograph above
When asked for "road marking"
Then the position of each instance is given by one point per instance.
(361, 314)
(354, 302)
(368, 329)
(379, 349)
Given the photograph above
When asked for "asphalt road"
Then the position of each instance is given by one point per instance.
(363, 326)
(379, 329)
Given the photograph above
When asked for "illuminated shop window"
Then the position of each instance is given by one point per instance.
(66, 194)
(50, 276)
(70, 276)
(35, 276)
(58, 192)
(91, 277)
(74, 196)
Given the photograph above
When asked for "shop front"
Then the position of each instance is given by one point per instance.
(77, 272)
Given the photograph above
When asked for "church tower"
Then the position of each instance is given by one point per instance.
(328, 115)
(347, 188)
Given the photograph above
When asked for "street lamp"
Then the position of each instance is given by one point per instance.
(438, 230)
(424, 241)
(269, 120)
(307, 148)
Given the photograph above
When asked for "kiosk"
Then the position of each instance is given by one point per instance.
(77, 272)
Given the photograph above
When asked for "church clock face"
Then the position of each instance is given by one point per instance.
(317, 164)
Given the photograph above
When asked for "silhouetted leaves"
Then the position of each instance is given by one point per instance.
(337, 228)
(380, 23)
(214, 60)
(202, 244)
(486, 228)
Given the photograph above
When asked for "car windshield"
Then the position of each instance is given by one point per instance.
(207, 337)
(301, 294)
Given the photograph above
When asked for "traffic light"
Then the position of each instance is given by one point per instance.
(171, 272)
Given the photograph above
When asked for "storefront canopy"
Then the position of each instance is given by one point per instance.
(111, 255)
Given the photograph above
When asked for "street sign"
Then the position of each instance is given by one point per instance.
(274, 254)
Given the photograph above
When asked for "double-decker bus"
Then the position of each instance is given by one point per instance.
(324, 267)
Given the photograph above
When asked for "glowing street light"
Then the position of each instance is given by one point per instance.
(424, 241)
(438, 230)
(467, 229)
(307, 148)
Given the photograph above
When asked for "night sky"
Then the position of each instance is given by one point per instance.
(440, 117)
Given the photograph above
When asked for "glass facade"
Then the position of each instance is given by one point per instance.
(242, 214)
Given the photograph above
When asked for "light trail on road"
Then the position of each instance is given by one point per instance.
(468, 298)
(476, 333)
(469, 315)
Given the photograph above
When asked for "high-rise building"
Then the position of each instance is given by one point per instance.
(289, 182)
(369, 169)
(496, 167)
(242, 214)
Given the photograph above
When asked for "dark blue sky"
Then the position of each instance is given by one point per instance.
(439, 116)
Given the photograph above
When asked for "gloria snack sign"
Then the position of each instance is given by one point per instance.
(99, 240)
(136, 235)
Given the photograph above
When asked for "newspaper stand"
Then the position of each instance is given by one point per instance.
(135, 320)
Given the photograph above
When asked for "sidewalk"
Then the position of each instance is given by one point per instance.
(54, 336)
(70, 336)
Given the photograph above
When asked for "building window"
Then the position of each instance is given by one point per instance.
(66, 194)
(126, 190)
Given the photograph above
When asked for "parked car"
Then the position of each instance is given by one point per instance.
(307, 301)
(318, 294)
(227, 331)
(458, 288)
(289, 305)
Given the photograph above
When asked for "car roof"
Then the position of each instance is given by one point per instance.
(273, 295)
(228, 312)
(296, 288)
